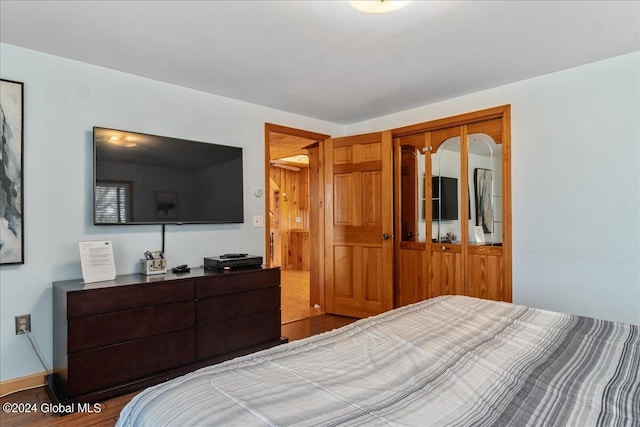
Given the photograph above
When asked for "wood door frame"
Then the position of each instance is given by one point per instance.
(316, 286)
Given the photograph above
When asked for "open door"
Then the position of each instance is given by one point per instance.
(358, 225)
(294, 229)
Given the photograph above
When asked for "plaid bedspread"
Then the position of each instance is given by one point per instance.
(451, 360)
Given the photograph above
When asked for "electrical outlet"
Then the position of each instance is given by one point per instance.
(23, 320)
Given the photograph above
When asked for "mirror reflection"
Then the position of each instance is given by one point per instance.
(484, 183)
(412, 194)
(445, 192)
(485, 190)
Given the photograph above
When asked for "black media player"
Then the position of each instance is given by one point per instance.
(232, 261)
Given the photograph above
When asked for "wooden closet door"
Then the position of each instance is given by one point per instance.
(359, 245)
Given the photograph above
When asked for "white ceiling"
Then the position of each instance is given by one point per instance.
(324, 59)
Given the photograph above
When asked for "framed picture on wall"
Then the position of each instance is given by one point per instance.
(11, 172)
(484, 211)
(167, 205)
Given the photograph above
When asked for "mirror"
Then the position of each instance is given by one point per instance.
(445, 189)
(412, 191)
(485, 190)
(483, 181)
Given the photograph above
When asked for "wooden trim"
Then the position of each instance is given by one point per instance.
(397, 222)
(328, 226)
(20, 383)
(316, 225)
(266, 193)
(387, 222)
(464, 206)
(462, 119)
(428, 172)
(270, 127)
(507, 207)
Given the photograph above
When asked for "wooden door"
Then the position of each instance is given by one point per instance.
(358, 219)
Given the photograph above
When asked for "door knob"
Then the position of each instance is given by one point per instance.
(444, 248)
(385, 236)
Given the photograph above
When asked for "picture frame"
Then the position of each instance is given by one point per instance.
(12, 172)
(166, 205)
(482, 179)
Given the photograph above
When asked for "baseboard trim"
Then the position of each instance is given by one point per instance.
(15, 384)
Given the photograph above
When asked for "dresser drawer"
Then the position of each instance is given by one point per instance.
(230, 335)
(103, 329)
(105, 300)
(237, 282)
(230, 306)
(99, 368)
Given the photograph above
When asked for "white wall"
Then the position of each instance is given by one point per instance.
(576, 184)
(63, 100)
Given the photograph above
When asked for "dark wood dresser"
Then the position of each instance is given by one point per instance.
(112, 337)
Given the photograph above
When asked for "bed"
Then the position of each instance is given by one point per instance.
(451, 360)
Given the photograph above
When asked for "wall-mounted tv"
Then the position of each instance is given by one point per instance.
(149, 179)
(444, 201)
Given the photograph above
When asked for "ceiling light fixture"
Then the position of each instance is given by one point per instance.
(378, 6)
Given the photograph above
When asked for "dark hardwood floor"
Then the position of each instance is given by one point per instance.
(35, 403)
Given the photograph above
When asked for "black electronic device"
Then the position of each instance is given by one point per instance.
(444, 202)
(149, 179)
(184, 268)
(223, 262)
(233, 255)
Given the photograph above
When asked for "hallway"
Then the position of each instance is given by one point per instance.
(295, 296)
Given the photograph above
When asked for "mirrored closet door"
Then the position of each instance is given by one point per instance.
(452, 210)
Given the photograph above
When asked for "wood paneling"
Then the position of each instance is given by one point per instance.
(446, 271)
(299, 250)
(411, 268)
(344, 191)
(372, 269)
(290, 203)
(407, 192)
(344, 263)
(370, 200)
(485, 277)
(283, 145)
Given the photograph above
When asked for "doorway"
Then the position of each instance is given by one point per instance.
(293, 225)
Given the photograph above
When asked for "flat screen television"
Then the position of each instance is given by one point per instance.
(149, 179)
(444, 201)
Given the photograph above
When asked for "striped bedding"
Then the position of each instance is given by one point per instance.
(451, 360)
